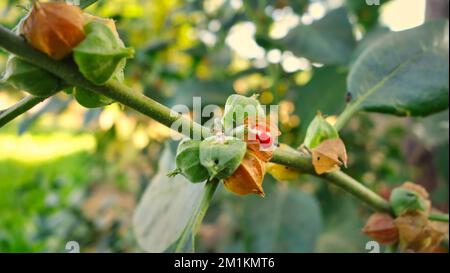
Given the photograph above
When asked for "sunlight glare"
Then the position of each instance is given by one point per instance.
(403, 14)
(240, 39)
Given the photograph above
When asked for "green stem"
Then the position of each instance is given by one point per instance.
(197, 217)
(438, 217)
(357, 189)
(19, 108)
(338, 178)
(345, 116)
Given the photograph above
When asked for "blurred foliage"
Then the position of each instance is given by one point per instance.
(68, 173)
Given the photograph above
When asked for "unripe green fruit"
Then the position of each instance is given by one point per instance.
(90, 99)
(405, 200)
(222, 156)
(32, 79)
(101, 55)
(188, 161)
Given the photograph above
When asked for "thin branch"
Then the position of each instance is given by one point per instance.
(438, 217)
(338, 178)
(19, 108)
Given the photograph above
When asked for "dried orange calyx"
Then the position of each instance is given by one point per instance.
(54, 28)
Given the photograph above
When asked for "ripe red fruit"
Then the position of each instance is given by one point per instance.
(263, 135)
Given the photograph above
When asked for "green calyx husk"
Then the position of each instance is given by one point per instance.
(188, 161)
(318, 131)
(238, 108)
(101, 55)
(221, 156)
(90, 99)
(405, 200)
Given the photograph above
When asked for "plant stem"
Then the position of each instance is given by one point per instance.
(68, 71)
(345, 116)
(210, 189)
(357, 189)
(297, 160)
(19, 108)
(438, 217)
(197, 217)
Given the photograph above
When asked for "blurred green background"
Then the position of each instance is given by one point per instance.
(73, 174)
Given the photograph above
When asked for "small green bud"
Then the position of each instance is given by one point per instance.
(318, 131)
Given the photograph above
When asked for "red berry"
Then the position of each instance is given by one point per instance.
(264, 137)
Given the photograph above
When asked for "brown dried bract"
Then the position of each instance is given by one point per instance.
(54, 28)
(417, 233)
(257, 150)
(381, 228)
(329, 156)
(421, 191)
(248, 177)
(416, 188)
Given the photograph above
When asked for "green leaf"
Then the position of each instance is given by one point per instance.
(369, 38)
(329, 40)
(320, 95)
(165, 208)
(403, 73)
(286, 220)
